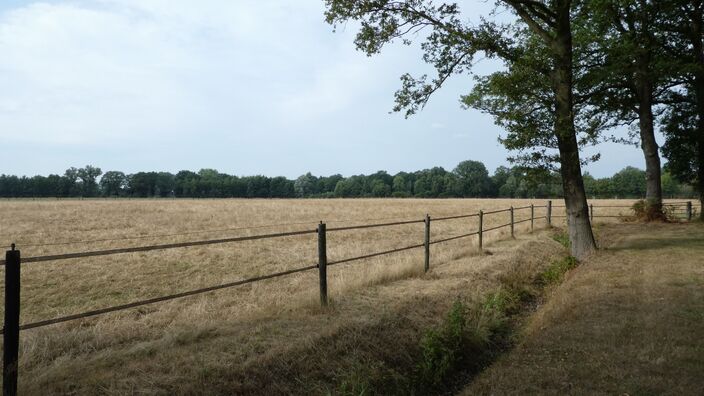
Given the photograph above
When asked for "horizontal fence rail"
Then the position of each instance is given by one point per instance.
(359, 227)
(135, 304)
(12, 263)
(160, 247)
(454, 238)
(497, 211)
(154, 236)
(377, 254)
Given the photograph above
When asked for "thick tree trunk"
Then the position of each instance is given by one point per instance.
(653, 192)
(698, 48)
(579, 227)
(699, 88)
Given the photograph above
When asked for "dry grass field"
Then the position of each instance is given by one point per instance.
(124, 352)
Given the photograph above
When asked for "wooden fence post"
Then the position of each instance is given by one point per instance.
(549, 215)
(532, 216)
(323, 264)
(689, 210)
(512, 234)
(591, 213)
(427, 242)
(481, 229)
(11, 329)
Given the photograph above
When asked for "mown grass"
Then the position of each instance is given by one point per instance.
(628, 322)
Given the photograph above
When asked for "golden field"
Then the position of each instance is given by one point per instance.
(205, 343)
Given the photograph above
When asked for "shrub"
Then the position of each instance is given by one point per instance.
(644, 211)
(442, 348)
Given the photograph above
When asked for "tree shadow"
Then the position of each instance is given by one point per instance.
(695, 242)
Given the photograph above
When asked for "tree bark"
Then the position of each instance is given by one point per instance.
(578, 224)
(653, 192)
(698, 48)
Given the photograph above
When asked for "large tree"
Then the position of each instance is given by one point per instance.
(88, 176)
(684, 120)
(629, 73)
(451, 46)
(113, 183)
(472, 179)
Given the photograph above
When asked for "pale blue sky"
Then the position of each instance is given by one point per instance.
(246, 87)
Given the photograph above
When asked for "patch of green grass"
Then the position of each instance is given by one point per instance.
(469, 338)
(557, 269)
(562, 238)
(442, 348)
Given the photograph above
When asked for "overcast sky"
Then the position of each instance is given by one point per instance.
(246, 87)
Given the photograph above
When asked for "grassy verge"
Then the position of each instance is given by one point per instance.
(628, 322)
(472, 335)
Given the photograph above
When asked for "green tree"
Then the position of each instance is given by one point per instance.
(472, 179)
(142, 184)
(69, 183)
(326, 185)
(113, 183)
(280, 187)
(88, 176)
(683, 124)
(164, 184)
(670, 187)
(402, 186)
(380, 189)
(258, 187)
(186, 184)
(452, 44)
(629, 71)
(629, 183)
(306, 185)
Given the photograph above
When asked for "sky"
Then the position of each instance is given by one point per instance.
(246, 87)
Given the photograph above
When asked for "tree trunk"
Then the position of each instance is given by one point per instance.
(579, 227)
(699, 89)
(698, 48)
(653, 192)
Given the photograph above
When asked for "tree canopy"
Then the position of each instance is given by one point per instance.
(469, 179)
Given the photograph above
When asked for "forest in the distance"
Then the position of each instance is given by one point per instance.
(467, 179)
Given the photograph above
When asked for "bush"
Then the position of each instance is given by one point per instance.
(442, 348)
(644, 211)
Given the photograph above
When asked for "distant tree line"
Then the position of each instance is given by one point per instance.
(468, 179)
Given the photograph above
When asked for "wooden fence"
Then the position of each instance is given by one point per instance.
(13, 260)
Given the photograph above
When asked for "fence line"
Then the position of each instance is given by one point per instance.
(152, 236)
(121, 307)
(135, 249)
(497, 211)
(366, 256)
(359, 227)
(12, 326)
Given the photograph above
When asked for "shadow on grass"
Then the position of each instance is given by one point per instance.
(695, 242)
